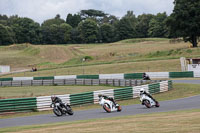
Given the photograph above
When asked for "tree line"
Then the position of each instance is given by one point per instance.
(87, 26)
(95, 26)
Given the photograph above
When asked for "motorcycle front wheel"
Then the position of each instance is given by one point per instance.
(107, 108)
(57, 112)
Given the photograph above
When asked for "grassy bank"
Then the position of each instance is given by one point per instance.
(167, 122)
(132, 55)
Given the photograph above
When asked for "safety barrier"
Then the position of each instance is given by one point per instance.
(152, 75)
(55, 82)
(18, 105)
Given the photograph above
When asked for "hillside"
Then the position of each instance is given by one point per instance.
(133, 55)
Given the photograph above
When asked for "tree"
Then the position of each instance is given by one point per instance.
(107, 33)
(75, 36)
(65, 31)
(3, 19)
(73, 20)
(95, 15)
(143, 24)
(185, 20)
(126, 27)
(110, 19)
(88, 31)
(91, 13)
(52, 32)
(6, 35)
(57, 20)
(26, 30)
(157, 27)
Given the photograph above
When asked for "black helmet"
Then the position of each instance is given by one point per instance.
(100, 95)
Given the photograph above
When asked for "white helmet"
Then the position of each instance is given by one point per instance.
(53, 97)
(142, 90)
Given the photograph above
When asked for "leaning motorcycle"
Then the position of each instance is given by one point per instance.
(108, 105)
(61, 109)
(148, 102)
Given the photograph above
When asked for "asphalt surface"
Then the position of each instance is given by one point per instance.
(187, 81)
(165, 106)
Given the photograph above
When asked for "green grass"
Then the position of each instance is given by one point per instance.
(175, 121)
(67, 59)
(34, 91)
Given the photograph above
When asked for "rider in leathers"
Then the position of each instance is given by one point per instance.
(142, 91)
(56, 99)
(109, 98)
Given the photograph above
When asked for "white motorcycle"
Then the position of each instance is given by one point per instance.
(148, 102)
(108, 105)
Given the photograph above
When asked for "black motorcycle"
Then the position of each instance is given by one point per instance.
(60, 109)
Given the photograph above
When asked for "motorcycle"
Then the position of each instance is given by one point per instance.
(108, 105)
(61, 109)
(148, 102)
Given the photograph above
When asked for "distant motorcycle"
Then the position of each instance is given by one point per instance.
(61, 109)
(108, 105)
(148, 102)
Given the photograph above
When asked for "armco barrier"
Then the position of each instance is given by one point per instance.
(18, 105)
(82, 98)
(152, 75)
(133, 76)
(43, 102)
(123, 93)
(112, 82)
(6, 79)
(181, 74)
(154, 88)
(87, 76)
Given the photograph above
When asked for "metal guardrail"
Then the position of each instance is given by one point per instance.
(57, 82)
(18, 105)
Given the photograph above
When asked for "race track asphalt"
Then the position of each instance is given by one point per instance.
(165, 106)
(187, 81)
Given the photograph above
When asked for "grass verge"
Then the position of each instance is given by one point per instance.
(34, 91)
(167, 122)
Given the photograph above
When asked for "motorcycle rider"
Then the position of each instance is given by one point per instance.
(108, 98)
(142, 91)
(56, 99)
(145, 76)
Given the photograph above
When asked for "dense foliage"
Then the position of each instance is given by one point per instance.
(185, 20)
(94, 26)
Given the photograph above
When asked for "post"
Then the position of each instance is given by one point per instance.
(82, 65)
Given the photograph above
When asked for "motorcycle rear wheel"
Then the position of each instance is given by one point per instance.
(107, 108)
(157, 104)
(57, 112)
(69, 110)
(147, 104)
(119, 109)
